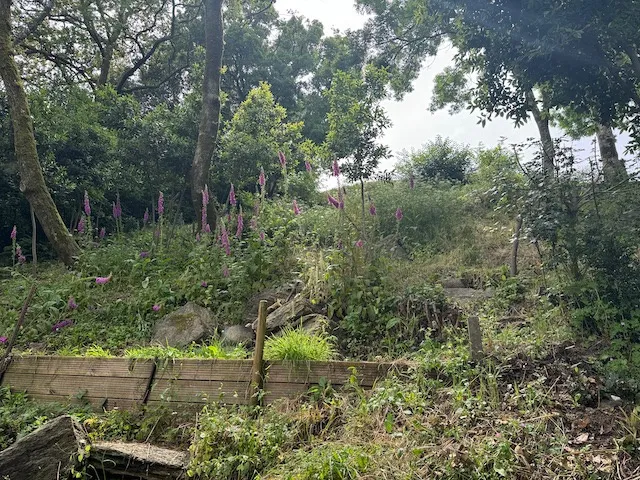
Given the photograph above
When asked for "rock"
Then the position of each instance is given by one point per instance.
(190, 323)
(237, 335)
(273, 297)
(314, 323)
(287, 314)
(453, 283)
(465, 296)
(138, 461)
(45, 454)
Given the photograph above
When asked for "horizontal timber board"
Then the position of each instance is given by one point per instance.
(338, 373)
(198, 391)
(99, 387)
(195, 369)
(97, 403)
(81, 366)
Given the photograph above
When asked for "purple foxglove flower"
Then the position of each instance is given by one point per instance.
(307, 165)
(205, 196)
(253, 223)
(161, 204)
(114, 210)
(336, 168)
(103, 233)
(87, 206)
(72, 303)
(22, 259)
(14, 233)
(224, 239)
(225, 271)
(262, 235)
(339, 244)
(360, 244)
(60, 325)
(18, 251)
(261, 178)
(145, 217)
(399, 214)
(232, 196)
(81, 225)
(103, 280)
(296, 209)
(204, 217)
(341, 205)
(207, 228)
(197, 237)
(333, 201)
(156, 308)
(372, 209)
(118, 206)
(283, 159)
(240, 225)
(3, 339)
(144, 254)
(204, 284)
(412, 182)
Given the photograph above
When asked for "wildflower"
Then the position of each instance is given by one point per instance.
(296, 208)
(261, 178)
(60, 325)
(359, 243)
(399, 214)
(156, 308)
(18, 251)
(3, 339)
(341, 205)
(253, 223)
(225, 271)
(103, 280)
(224, 240)
(283, 159)
(114, 210)
(205, 196)
(14, 233)
(204, 284)
(144, 254)
(103, 233)
(333, 201)
(22, 259)
(232, 196)
(197, 237)
(307, 165)
(87, 206)
(240, 225)
(412, 182)
(207, 228)
(204, 217)
(145, 217)
(336, 168)
(71, 304)
(81, 225)
(339, 245)
(262, 235)
(156, 234)
(161, 203)
(372, 209)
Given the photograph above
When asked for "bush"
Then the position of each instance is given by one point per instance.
(440, 159)
(297, 345)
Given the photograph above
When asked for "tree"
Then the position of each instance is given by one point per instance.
(210, 113)
(32, 182)
(356, 121)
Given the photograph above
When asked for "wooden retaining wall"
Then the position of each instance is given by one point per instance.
(127, 383)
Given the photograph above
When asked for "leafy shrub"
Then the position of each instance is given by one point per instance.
(440, 159)
(296, 344)
(231, 443)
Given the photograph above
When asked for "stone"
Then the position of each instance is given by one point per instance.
(138, 461)
(237, 335)
(453, 283)
(466, 296)
(288, 314)
(190, 323)
(274, 298)
(50, 452)
(314, 323)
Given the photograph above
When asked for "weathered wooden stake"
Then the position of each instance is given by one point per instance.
(257, 369)
(475, 339)
(516, 244)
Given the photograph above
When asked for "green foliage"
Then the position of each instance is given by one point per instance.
(440, 159)
(231, 444)
(298, 345)
(214, 351)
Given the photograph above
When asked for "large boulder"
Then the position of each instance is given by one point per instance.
(237, 335)
(288, 314)
(274, 298)
(190, 323)
(47, 453)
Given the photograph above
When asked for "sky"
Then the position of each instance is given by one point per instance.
(412, 123)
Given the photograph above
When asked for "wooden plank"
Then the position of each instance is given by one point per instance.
(276, 390)
(99, 387)
(81, 366)
(96, 403)
(199, 391)
(202, 369)
(338, 373)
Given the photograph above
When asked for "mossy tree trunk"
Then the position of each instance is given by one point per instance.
(210, 114)
(612, 166)
(32, 183)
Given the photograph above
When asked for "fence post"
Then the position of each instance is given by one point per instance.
(257, 369)
(475, 339)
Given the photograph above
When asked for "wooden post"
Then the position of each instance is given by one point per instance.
(475, 339)
(516, 243)
(257, 369)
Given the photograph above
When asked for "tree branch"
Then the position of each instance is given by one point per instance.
(34, 24)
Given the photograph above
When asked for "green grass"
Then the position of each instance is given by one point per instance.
(297, 345)
(213, 351)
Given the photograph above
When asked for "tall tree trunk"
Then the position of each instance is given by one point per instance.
(105, 66)
(612, 167)
(542, 121)
(32, 182)
(210, 115)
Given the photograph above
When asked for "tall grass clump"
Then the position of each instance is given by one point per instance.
(298, 345)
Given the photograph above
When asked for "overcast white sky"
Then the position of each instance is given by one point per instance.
(413, 123)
